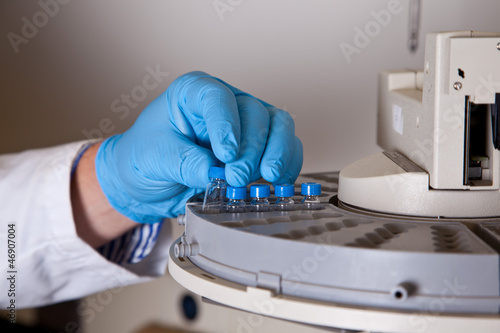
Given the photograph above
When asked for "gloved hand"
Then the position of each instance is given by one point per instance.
(150, 171)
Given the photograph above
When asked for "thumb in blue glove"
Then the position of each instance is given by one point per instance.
(150, 171)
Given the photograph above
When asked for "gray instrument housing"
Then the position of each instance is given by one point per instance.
(348, 256)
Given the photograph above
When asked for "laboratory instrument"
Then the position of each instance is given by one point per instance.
(284, 197)
(215, 192)
(260, 195)
(236, 196)
(408, 239)
(311, 192)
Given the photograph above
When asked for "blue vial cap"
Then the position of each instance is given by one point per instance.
(216, 172)
(284, 190)
(260, 191)
(237, 193)
(311, 189)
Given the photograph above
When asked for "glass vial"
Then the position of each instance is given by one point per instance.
(311, 192)
(216, 191)
(260, 194)
(284, 194)
(236, 196)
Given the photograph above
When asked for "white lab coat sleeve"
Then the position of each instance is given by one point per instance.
(51, 263)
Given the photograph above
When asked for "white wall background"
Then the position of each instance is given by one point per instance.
(64, 79)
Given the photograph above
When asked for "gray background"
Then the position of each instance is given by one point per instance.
(65, 78)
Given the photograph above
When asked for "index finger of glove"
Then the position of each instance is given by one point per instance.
(212, 110)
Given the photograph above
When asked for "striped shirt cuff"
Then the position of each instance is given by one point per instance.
(133, 246)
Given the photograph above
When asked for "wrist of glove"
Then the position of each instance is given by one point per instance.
(137, 205)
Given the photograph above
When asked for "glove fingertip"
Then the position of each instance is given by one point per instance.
(194, 167)
(272, 173)
(235, 176)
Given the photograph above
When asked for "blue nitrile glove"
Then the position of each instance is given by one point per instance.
(150, 171)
